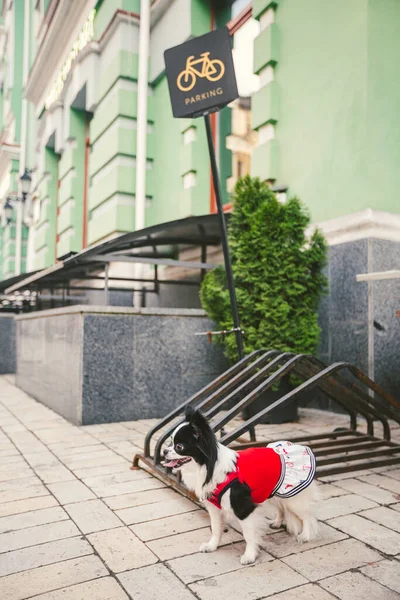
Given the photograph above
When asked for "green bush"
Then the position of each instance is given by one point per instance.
(278, 274)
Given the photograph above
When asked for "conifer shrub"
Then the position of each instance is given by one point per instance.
(278, 274)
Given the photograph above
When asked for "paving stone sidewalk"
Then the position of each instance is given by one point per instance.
(77, 524)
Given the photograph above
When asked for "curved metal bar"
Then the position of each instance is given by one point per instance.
(208, 400)
(381, 406)
(304, 386)
(236, 368)
(289, 365)
(366, 401)
(253, 380)
(344, 403)
(257, 391)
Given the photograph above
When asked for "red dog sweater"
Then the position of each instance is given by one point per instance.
(282, 469)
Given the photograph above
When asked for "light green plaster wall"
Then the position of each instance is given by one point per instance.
(167, 203)
(105, 10)
(16, 92)
(200, 17)
(71, 175)
(339, 90)
(172, 160)
(45, 229)
(382, 173)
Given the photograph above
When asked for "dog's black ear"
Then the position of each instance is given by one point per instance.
(197, 421)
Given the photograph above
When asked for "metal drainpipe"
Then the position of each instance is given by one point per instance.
(141, 135)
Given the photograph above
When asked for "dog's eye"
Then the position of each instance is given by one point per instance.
(179, 447)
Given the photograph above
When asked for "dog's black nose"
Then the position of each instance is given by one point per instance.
(165, 452)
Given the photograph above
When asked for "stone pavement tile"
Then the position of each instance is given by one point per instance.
(282, 544)
(9, 453)
(327, 490)
(98, 452)
(92, 515)
(187, 543)
(74, 451)
(51, 577)
(121, 550)
(204, 565)
(31, 491)
(249, 583)
(372, 492)
(157, 510)
(343, 476)
(343, 505)
(115, 483)
(152, 530)
(105, 588)
(355, 586)
(18, 485)
(386, 572)
(40, 534)
(44, 554)
(32, 518)
(15, 463)
(310, 591)
(393, 472)
(140, 485)
(54, 474)
(332, 559)
(58, 434)
(21, 506)
(15, 472)
(153, 583)
(374, 535)
(76, 443)
(99, 461)
(71, 491)
(388, 483)
(384, 516)
(102, 470)
(42, 459)
(140, 498)
(395, 506)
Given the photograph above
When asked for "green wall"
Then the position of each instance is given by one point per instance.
(167, 199)
(339, 90)
(18, 50)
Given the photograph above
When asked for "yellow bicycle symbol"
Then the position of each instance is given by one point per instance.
(212, 70)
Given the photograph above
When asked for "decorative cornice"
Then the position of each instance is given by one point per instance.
(360, 225)
(69, 14)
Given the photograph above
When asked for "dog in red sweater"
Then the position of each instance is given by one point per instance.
(244, 486)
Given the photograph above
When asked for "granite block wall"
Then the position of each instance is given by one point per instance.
(7, 344)
(100, 365)
(356, 327)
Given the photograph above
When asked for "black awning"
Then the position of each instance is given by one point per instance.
(11, 281)
(157, 245)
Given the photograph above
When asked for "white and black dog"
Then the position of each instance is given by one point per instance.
(242, 485)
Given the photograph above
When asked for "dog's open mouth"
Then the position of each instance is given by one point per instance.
(176, 463)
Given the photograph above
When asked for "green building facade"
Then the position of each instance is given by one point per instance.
(320, 122)
(13, 238)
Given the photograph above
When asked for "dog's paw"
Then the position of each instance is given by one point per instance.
(275, 524)
(248, 558)
(208, 547)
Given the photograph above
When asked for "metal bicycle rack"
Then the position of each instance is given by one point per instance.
(232, 393)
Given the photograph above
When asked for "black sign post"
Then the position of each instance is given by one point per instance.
(201, 80)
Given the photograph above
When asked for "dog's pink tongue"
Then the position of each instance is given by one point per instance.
(170, 463)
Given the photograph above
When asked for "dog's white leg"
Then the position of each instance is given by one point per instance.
(299, 511)
(276, 521)
(293, 522)
(217, 526)
(251, 533)
(309, 531)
